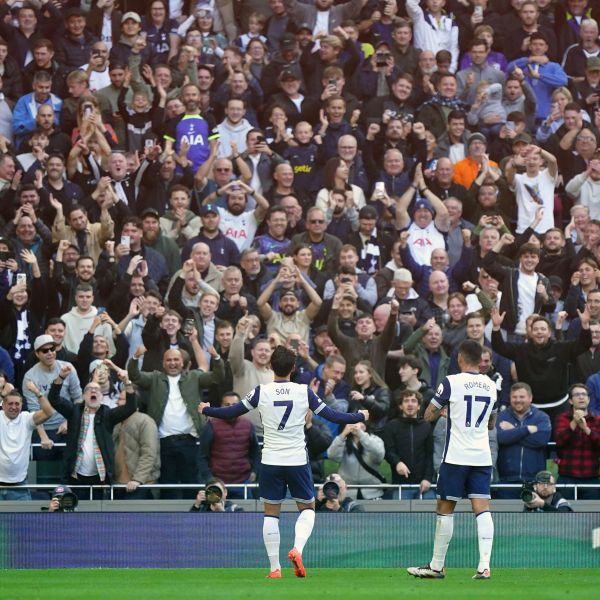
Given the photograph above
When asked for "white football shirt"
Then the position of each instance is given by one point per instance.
(241, 229)
(471, 399)
(283, 406)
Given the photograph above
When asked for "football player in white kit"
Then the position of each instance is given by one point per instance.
(283, 406)
(466, 469)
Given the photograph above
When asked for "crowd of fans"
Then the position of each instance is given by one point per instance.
(185, 185)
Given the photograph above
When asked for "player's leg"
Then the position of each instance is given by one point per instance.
(479, 494)
(450, 489)
(302, 489)
(272, 492)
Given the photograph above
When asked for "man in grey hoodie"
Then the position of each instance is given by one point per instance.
(233, 128)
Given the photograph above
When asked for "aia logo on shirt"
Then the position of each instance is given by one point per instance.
(235, 234)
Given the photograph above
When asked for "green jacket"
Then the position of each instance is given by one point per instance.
(191, 385)
(414, 346)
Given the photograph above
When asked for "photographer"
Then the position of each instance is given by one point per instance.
(332, 497)
(541, 495)
(63, 500)
(213, 498)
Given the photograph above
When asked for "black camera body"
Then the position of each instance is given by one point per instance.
(381, 58)
(527, 492)
(67, 500)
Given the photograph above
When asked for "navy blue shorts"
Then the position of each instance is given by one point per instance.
(462, 481)
(276, 480)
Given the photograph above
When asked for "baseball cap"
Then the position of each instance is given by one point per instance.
(288, 293)
(556, 281)
(367, 212)
(476, 137)
(303, 26)
(320, 329)
(43, 340)
(403, 275)
(287, 41)
(288, 74)
(131, 15)
(150, 212)
(544, 477)
(593, 63)
(522, 138)
(207, 209)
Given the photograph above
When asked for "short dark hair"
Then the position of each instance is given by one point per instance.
(471, 351)
(577, 385)
(455, 115)
(230, 393)
(407, 394)
(412, 361)
(283, 361)
(55, 321)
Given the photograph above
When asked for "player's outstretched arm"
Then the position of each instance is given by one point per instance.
(335, 416)
(225, 412)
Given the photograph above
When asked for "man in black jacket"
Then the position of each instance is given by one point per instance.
(90, 453)
(409, 448)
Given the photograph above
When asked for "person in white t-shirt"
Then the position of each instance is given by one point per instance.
(283, 407)
(466, 469)
(237, 222)
(16, 427)
(534, 188)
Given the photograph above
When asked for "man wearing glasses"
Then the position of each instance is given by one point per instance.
(577, 435)
(325, 247)
(41, 375)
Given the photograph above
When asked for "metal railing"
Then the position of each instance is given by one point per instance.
(247, 487)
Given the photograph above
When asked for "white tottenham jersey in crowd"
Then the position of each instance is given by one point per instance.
(471, 399)
(283, 406)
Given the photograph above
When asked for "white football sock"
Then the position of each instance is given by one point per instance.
(444, 528)
(485, 535)
(304, 526)
(271, 539)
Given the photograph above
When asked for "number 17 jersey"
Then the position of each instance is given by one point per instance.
(471, 400)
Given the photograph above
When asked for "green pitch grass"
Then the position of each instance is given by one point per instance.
(334, 584)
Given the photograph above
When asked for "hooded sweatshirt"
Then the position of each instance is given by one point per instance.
(232, 132)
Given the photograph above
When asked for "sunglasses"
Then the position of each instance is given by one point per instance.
(47, 350)
(317, 221)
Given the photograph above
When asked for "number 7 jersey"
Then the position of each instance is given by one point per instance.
(471, 400)
(283, 406)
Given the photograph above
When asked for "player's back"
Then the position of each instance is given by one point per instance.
(283, 406)
(470, 398)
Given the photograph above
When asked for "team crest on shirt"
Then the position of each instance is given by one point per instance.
(440, 389)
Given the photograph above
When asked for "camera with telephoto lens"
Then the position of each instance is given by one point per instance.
(331, 490)
(67, 500)
(527, 492)
(214, 495)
